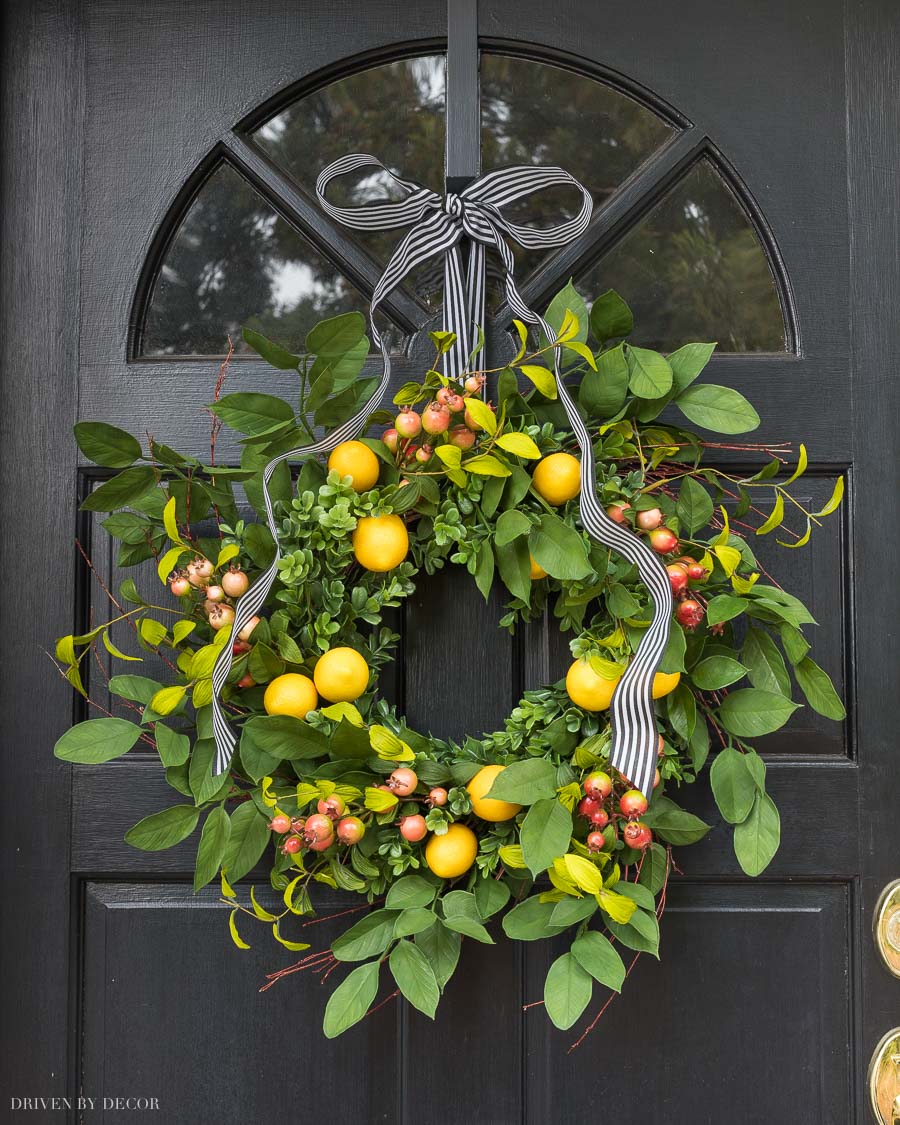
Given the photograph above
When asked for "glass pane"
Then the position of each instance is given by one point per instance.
(693, 269)
(234, 262)
(395, 112)
(534, 113)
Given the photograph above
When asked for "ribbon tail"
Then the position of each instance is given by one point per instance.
(456, 313)
(254, 599)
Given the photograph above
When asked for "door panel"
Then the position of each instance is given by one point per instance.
(768, 997)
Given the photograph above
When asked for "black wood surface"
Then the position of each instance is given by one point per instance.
(117, 980)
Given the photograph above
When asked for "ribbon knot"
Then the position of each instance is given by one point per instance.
(437, 229)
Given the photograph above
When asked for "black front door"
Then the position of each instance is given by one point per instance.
(158, 165)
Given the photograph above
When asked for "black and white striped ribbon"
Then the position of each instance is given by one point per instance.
(438, 225)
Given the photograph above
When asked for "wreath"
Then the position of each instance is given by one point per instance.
(529, 825)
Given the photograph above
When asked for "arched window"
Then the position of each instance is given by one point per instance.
(673, 231)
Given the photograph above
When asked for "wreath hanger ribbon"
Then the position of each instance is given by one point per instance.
(438, 226)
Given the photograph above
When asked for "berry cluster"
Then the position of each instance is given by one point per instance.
(437, 418)
(606, 801)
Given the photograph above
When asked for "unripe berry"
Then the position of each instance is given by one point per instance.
(424, 454)
(413, 828)
(598, 786)
(435, 418)
(617, 512)
(633, 803)
(221, 615)
(247, 631)
(279, 823)
(350, 830)
(678, 578)
(333, 807)
(649, 519)
(474, 383)
(318, 827)
(215, 594)
(407, 423)
(663, 540)
(180, 584)
(462, 437)
(456, 404)
(292, 845)
(637, 835)
(235, 582)
(391, 438)
(402, 781)
(437, 797)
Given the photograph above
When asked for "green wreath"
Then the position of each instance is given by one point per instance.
(528, 824)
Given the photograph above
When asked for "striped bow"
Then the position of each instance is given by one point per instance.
(438, 226)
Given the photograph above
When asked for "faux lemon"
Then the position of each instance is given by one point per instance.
(355, 460)
(380, 542)
(291, 694)
(341, 675)
(453, 853)
(537, 571)
(664, 682)
(587, 688)
(489, 808)
(557, 478)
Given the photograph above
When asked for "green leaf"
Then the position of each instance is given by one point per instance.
(121, 490)
(733, 785)
(213, 840)
(640, 934)
(673, 824)
(200, 776)
(649, 374)
(717, 672)
(783, 604)
(167, 699)
(469, 927)
(511, 525)
(764, 663)
(756, 840)
(720, 409)
(107, 445)
(567, 300)
(332, 374)
(368, 938)
(525, 782)
(751, 712)
(545, 834)
(232, 926)
(97, 740)
(597, 956)
(795, 644)
(153, 632)
(514, 564)
(411, 890)
(168, 561)
(414, 977)
(483, 415)
(251, 412)
(164, 829)
(694, 507)
(775, 516)
(174, 748)
(530, 920)
(441, 947)
(336, 335)
(491, 895)
(610, 317)
(835, 499)
(249, 838)
(559, 549)
(816, 685)
(567, 991)
(687, 363)
(140, 689)
(603, 392)
(272, 353)
(283, 737)
(339, 409)
(569, 911)
(351, 1000)
(724, 607)
(654, 868)
(413, 920)
(486, 466)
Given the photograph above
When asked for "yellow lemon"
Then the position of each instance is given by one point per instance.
(291, 694)
(664, 682)
(557, 478)
(453, 853)
(380, 542)
(587, 689)
(341, 675)
(489, 808)
(355, 460)
(537, 571)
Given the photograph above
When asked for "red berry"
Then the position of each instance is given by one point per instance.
(689, 614)
(663, 540)
(317, 828)
(298, 824)
(402, 781)
(321, 845)
(435, 418)
(240, 647)
(234, 582)
(596, 842)
(617, 512)
(180, 585)
(350, 830)
(657, 778)
(600, 817)
(443, 396)
(649, 519)
(637, 835)
(660, 747)
(437, 797)
(292, 845)
(633, 803)
(697, 573)
(456, 404)
(462, 437)
(333, 807)
(587, 806)
(247, 632)
(246, 681)
(391, 438)
(413, 828)
(423, 455)
(407, 423)
(678, 578)
(279, 823)
(598, 785)
(474, 383)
